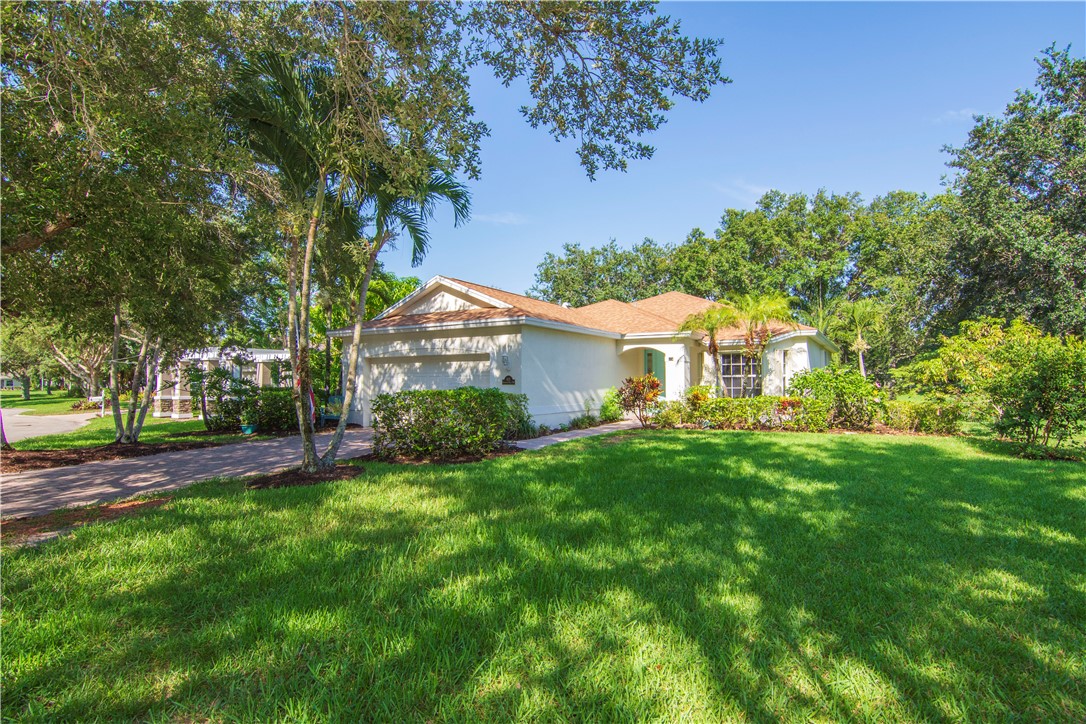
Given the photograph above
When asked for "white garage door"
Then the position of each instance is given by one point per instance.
(439, 372)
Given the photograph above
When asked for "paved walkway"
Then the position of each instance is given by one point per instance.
(18, 426)
(40, 491)
(558, 437)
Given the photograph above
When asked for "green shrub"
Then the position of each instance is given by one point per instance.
(1040, 393)
(852, 399)
(520, 426)
(638, 394)
(611, 407)
(670, 414)
(583, 422)
(745, 413)
(940, 417)
(275, 410)
(443, 423)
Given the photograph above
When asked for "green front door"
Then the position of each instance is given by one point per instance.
(654, 364)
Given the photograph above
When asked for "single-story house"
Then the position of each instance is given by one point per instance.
(451, 333)
(262, 367)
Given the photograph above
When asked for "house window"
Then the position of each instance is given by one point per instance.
(742, 376)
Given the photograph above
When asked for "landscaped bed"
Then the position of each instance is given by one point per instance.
(17, 461)
(647, 575)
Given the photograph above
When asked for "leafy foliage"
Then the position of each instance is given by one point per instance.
(852, 399)
(445, 423)
(638, 394)
(937, 416)
(763, 412)
(964, 365)
(1040, 391)
(611, 406)
(1021, 246)
(275, 410)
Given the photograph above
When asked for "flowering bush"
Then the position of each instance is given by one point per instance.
(638, 394)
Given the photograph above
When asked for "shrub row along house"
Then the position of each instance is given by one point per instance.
(450, 333)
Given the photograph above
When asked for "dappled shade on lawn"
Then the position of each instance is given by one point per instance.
(673, 575)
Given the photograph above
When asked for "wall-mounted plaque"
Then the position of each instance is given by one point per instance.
(508, 380)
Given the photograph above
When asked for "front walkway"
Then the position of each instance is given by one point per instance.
(41, 491)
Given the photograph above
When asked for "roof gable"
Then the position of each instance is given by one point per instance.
(441, 294)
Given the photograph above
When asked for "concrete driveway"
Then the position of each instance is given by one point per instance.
(18, 426)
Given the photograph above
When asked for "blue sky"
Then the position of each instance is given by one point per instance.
(842, 96)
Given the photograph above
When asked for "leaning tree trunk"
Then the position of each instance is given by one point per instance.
(329, 457)
(114, 377)
(137, 382)
(303, 381)
(152, 374)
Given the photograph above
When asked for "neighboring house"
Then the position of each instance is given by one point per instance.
(7, 382)
(450, 333)
(260, 366)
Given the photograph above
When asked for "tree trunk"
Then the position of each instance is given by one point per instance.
(25, 379)
(4, 444)
(114, 381)
(304, 380)
(138, 382)
(152, 374)
(860, 355)
(329, 457)
(718, 373)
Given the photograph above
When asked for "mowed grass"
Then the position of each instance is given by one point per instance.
(39, 403)
(659, 575)
(102, 431)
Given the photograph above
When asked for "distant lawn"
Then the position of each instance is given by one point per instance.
(39, 403)
(662, 575)
(101, 431)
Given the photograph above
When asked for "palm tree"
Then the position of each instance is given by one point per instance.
(284, 113)
(287, 114)
(754, 314)
(711, 322)
(392, 214)
(858, 320)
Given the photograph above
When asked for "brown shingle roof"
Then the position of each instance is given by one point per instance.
(624, 318)
(537, 307)
(661, 314)
(459, 315)
(675, 306)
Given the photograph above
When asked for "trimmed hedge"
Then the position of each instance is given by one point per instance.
(744, 413)
(940, 418)
(446, 423)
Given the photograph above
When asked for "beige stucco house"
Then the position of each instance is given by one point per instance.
(450, 333)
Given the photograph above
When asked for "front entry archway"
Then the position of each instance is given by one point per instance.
(654, 364)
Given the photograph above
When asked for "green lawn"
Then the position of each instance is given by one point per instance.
(661, 575)
(39, 403)
(101, 431)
